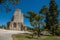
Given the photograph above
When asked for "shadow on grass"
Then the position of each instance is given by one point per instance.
(30, 37)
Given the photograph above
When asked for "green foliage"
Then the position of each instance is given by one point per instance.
(3, 26)
(34, 19)
(5, 4)
(1, 1)
(14, 2)
(58, 31)
(51, 14)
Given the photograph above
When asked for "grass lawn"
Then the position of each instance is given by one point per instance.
(29, 37)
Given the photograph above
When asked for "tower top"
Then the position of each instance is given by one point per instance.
(18, 16)
(17, 12)
(17, 9)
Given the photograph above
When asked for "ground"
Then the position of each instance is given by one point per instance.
(7, 34)
(23, 35)
(28, 37)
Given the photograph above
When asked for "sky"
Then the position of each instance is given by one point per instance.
(24, 6)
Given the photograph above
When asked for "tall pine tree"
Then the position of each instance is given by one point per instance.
(51, 14)
(53, 10)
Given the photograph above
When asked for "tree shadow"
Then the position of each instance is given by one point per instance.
(31, 37)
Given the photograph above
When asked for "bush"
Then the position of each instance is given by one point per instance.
(57, 32)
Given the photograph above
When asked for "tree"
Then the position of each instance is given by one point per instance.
(5, 3)
(34, 19)
(53, 9)
(51, 14)
(38, 22)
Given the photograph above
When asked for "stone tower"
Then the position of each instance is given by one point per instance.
(18, 16)
(17, 21)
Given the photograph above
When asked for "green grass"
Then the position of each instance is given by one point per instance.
(29, 37)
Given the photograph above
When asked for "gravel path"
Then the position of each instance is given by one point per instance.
(7, 34)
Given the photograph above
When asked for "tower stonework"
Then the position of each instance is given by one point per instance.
(17, 21)
(18, 16)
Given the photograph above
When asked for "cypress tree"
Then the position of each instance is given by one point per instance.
(51, 14)
(53, 20)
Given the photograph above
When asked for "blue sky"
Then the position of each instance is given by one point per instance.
(24, 6)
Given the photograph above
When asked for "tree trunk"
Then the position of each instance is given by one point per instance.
(38, 32)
